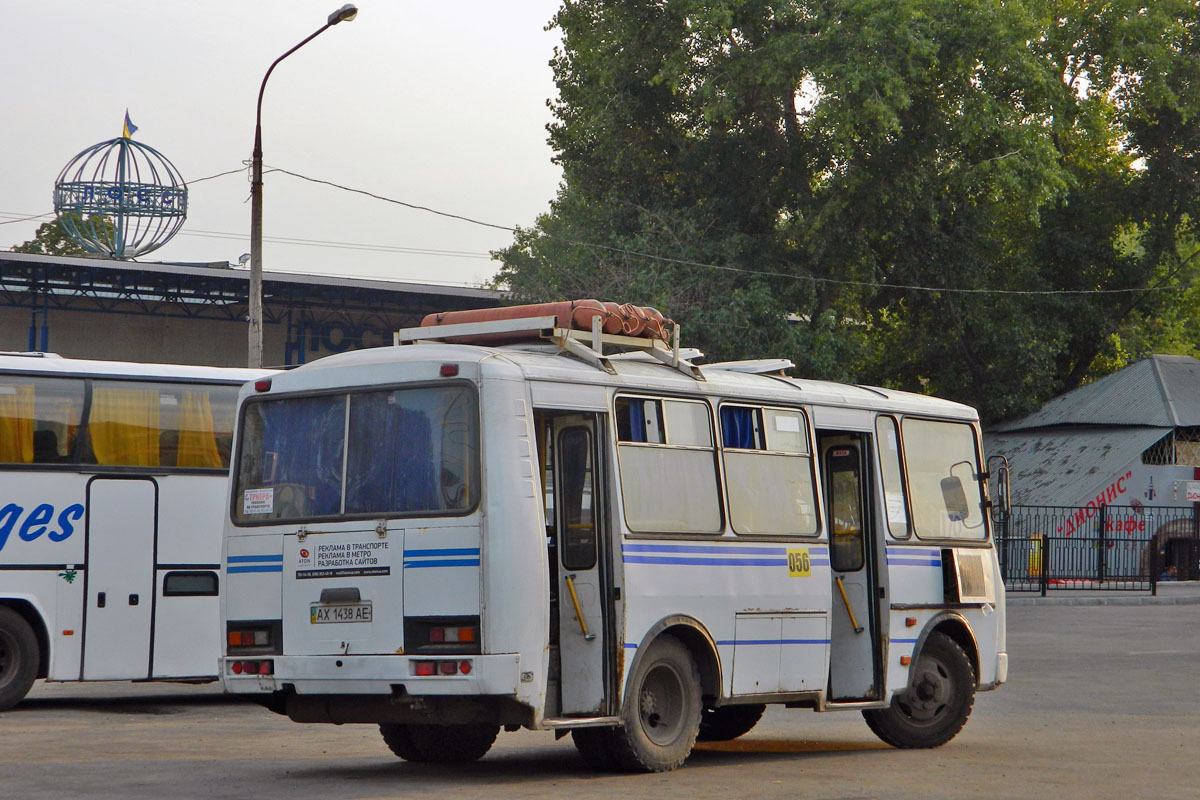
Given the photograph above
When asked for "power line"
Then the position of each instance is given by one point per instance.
(744, 270)
(218, 175)
(23, 219)
(374, 248)
(413, 206)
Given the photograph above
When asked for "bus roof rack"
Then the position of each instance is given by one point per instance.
(587, 346)
(754, 366)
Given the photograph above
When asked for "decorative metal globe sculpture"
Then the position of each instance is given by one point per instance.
(120, 198)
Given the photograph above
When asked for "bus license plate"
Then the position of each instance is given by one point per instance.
(339, 612)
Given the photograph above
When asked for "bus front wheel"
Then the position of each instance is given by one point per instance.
(18, 658)
(662, 712)
(937, 702)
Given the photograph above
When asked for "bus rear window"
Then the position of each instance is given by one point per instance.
(396, 452)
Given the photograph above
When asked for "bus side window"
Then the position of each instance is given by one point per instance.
(768, 471)
(893, 478)
(639, 419)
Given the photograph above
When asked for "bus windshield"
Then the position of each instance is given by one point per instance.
(396, 452)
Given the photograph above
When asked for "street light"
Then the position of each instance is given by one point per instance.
(343, 14)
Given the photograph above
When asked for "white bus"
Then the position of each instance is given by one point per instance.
(112, 483)
(449, 538)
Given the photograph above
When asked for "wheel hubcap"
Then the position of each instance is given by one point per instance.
(931, 693)
(660, 705)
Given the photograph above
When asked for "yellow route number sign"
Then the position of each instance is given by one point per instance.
(799, 565)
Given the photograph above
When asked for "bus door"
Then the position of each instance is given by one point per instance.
(854, 673)
(122, 522)
(582, 584)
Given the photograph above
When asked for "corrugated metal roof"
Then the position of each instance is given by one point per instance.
(1161, 391)
(1068, 466)
(1181, 381)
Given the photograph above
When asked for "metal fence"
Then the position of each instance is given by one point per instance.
(1044, 548)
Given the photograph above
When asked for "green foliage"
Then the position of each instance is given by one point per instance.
(778, 176)
(51, 239)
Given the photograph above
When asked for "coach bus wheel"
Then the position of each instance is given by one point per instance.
(728, 722)
(439, 744)
(18, 658)
(937, 702)
(662, 712)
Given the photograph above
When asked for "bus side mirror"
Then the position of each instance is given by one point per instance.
(1000, 505)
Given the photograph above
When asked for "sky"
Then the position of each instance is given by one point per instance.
(436, 104)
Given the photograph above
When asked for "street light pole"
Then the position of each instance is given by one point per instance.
(343, 14)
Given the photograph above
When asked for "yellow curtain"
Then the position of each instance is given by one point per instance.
(124, 427)
(16, 424)
(197, 439)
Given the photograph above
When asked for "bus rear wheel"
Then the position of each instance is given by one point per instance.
(937, 702)
(662, 712)
(728, 722)
(18, 658)
(439, 744)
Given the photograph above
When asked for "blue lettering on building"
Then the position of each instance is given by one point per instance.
(42, 520)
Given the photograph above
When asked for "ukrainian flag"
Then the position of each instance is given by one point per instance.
(130, 128)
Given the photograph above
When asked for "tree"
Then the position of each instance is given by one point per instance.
(849, 182)
(51, 239)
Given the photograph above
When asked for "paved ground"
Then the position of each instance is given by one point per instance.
(1104, 702)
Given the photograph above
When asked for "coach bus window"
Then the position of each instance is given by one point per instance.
(123, 425)
(159, 424)
(768, 471)
(39, 418)
(893, 481)
(668, 485)
(933, 453)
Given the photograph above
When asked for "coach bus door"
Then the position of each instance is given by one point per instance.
(582, 589)
(854, 673)
(119, 598)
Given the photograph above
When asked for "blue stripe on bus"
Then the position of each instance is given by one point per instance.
(904, 641)
(245, 559)
(692, 548)
(257, 568)
(448, 562)
(911, 562)
(449, 551)
(708, 562)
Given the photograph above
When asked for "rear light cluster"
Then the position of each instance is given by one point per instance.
(249, 638)
(442, 636)
(254, 637)
(252, 667)
(429, 668)
(439, 634)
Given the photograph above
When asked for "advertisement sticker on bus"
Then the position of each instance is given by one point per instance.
(258, 501)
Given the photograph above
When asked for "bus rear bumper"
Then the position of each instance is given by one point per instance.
(380, 675)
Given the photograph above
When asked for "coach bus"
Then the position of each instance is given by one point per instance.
(508, 520)
(113, 478)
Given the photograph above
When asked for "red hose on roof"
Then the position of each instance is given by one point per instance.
(625, 319)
